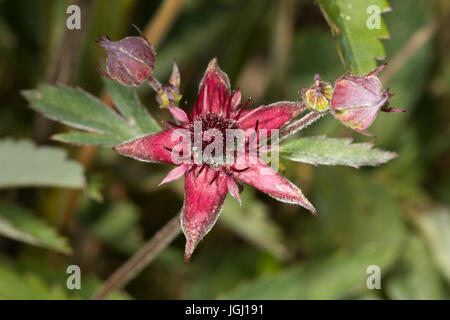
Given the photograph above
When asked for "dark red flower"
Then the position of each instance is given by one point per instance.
(130, 61)
(356, 100)
(208, 182)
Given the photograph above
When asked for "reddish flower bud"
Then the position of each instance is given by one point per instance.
(357, 100)
(130, 61)
(317, 98)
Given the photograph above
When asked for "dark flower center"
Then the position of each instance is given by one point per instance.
(211, 125)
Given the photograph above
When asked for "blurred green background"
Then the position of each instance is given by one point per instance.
(395, 216)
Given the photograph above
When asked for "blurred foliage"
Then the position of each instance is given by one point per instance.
(24, 164)
(395, 215)
(18, 224)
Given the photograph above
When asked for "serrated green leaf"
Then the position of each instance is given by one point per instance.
(128, 103)
(358, 44)
(78, 109)
(23, 164)
(337, 276)
(334, 151)
(18, 224)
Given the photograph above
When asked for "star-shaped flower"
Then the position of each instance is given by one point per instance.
(208, 179)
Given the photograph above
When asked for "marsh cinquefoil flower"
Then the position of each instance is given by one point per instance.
(208, 182)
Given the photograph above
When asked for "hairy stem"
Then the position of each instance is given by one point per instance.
(141, 259)
(154, 83)
(300, 124)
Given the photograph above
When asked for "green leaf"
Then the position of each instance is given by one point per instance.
(77, 108)
(253, 223)
(334, 151)
(18, 224)
(337, 276)
(349, 21)
(23, 164)
(128, 103)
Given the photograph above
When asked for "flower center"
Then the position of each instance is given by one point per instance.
(209, 137)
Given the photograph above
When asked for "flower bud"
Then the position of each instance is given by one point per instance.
(317, 97)
(130, 61)
(356, 100)
(169, 93)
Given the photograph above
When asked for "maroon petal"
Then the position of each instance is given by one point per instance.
(235, 100)
(213, 91)
(155, 147)
(202, 204)
(264, 178)
(233, 188)
(179, 114)
(175, 174)
(270, 117)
